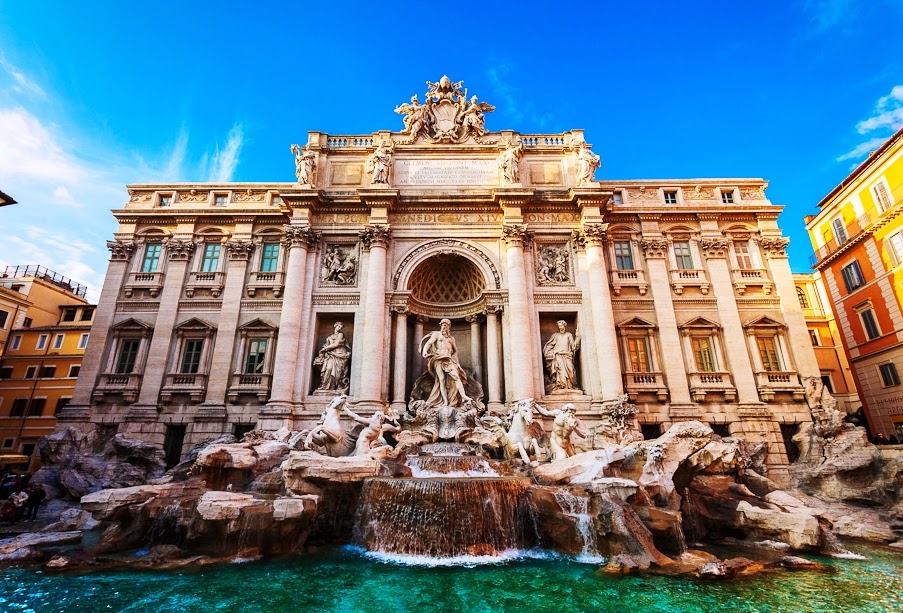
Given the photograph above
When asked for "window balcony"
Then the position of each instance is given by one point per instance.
(703, 383)
(628, 278)
(266, 280)
(681, 278)
(150, 281)
(205, 280)
(252, 384)
(637, 383)
(194, 385)
(125, 385)
(771, 382)
(751, 277)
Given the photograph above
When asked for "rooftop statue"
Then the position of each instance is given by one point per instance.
(587, 163)
(446, 116)
(305, 165)
(379, 163)
(509, 162)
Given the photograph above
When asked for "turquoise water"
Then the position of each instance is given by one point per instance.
(344, 580)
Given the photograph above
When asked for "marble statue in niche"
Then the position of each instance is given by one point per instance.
(441, 353)
(559, 353)
(333, 359)
(554, 265)
(339, 266)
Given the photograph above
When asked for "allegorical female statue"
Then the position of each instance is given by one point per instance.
(559, 355)
(333, 360)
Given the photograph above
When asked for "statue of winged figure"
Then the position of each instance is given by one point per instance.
(444, 89)
(417, 117)
(471, 115)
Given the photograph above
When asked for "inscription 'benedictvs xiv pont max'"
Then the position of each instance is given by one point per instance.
(233, 306)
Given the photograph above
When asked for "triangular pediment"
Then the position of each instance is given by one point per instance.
(257, 324)
(637, 322)
(132, 324)
(700, 322)
(194, 324)
(763, 321)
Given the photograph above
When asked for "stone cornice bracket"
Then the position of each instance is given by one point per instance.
(120, 250)
(594, 233)
(579, 239)
(516, 235)
(587, 197)
(654, 247)
(300, 236)
(375, 236)
(179, 249)
(380, 198)
(239, 250)
(708, 216)
(714, 247)
(774, 247)
(300, 199)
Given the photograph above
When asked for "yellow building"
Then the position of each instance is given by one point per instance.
(47, 325)
(858, 240)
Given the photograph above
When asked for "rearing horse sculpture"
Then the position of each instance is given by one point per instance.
(518, 441)
(330, 433)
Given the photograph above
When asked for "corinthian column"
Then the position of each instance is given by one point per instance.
(521, 353)
(298, 239)
(376, 240)
(474, 321)
(401, 357)
(493, 362)
(605, 337)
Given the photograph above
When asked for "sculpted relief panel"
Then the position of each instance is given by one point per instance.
(339, 265)
(553, 265)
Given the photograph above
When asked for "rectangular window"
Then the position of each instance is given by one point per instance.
(704, 352)
(888, 374)
(257, 350)
(869, 323)
(638, 348)
(4, 317)
(74, 369)
(151, 261)
(83, 341)
(69, 315)
(826, 381)
(48, 372)
(727, 196)
(210, 261)
(31, 372)
(36, 407)
(617, 197)
(219, 200)
(6, 372)
(801, 295)
(58, 341)
(14, 344)
(813, 336)
(26, 323)
(8, 443)
(768, 352)
(840, 231)
(682, 255)
(165, 200)
(744, 258)
(882, 196)
(670, 197)
(269, 257)
(852, 276)
(894, 246)
(623, 255)
(18, 408)
(191, 356)
(42, 342)
(128, 354)
(60, 403)
(87, 315)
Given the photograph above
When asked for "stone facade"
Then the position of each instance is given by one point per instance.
(220, 303)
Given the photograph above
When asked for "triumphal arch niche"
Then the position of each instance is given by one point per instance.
(447, 263)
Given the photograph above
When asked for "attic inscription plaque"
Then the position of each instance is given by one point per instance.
(446, 172)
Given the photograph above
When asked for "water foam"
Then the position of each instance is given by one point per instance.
(504, 557)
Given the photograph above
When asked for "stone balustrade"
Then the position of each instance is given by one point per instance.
(628, 278)
(703, 383)
(751, 277)
(693, 277)
(125, 385)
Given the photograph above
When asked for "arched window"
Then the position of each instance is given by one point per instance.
(801, 294)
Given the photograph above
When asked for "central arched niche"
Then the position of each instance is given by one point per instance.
(446, 279)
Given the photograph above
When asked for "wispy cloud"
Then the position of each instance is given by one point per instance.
(226, 160)
(828, 14)
(22, 83)
(509, 97)
(886, 118)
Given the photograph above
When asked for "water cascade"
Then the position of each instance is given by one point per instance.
(577, 507)
(458, 506)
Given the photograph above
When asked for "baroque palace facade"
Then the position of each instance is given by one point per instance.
(221, 306)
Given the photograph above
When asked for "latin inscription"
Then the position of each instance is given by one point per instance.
(446, 172)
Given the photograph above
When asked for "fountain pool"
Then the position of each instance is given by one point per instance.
(346, 580)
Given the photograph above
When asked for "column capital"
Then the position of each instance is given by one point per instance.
(300, 236)
(375, 236)
(493, 310)
(579, 239)
(239, 250)
(714, 247)
(400, 309)
(516, 235)
(773, 247)
(179, 249)
(422, 319)
(120, 249)
(594, 233)
(654, 247)
(472, 318)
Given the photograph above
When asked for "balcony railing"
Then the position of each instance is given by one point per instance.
(628, 278)
(249, 383)
(205, 280)
(266, 280)
(150, 281)
(751, 277)
(192, 384)
(702, 383)
(45, 274)
(770, 382)
(857, 227)
(693, 277)
(126, 385)
(646, 383)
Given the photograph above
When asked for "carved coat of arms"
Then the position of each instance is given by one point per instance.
(446, 116)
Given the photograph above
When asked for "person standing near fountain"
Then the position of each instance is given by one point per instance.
(441, 352)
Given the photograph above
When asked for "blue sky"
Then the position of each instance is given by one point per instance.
(97, 95)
